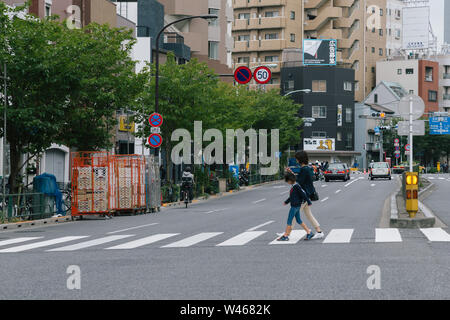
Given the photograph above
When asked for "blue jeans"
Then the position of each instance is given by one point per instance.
(294, 213)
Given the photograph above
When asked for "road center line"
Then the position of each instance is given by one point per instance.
(325, 199)
(255, 202)
(132, 228)
(337, 191)
(260, 226)
(354, 180)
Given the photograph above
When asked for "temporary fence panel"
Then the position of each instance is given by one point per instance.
(129, 176)
(91, 183)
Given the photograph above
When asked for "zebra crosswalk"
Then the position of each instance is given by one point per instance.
(212, 239)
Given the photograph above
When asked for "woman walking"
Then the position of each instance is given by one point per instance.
(305, 180)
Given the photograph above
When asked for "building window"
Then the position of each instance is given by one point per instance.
(244, 60)
(429, 74)
(339, 136)
(381, 32)
(271, 59)
(347, 86)
(271, 14)
(48, 10)
(271, 36)
(399, 71)
(318, 134)
(349, 115)
(244, 37)
(292, 15)
(349, 141)
(245, 16)
(213, 50)
(373, 69)
(292, 37)
(213, 22)
(375, 98)
(380, 52)
(432, 96)
(373, 49)
(319, 86)
(411, 91)
(319, 112)
(409, 71)
(289, 85)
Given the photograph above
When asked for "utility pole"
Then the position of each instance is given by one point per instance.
(4, 140)
(411, 136)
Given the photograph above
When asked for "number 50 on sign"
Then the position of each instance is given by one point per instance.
(262, 75)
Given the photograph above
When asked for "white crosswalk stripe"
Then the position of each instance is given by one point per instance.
(188, 242)
(388, 235)
(295, 237)
(436, 235)
(41, 244)
(17, 240)
(142, 242)
(339, 236)
(91, 243)
(242, 238)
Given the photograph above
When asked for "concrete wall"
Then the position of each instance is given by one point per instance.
(388, 71)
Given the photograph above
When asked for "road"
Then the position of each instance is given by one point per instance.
(223, 249)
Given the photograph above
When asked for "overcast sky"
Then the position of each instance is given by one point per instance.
(437, 18)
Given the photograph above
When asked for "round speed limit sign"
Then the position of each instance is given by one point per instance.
(262, 75)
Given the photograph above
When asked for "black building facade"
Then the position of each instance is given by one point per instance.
(331, 103)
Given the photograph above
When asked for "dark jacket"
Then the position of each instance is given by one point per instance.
(305, 180)
(297, 197)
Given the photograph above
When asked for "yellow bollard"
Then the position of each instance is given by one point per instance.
(412, 193)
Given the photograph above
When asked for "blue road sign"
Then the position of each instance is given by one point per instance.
(155, 120)
(439, 125)
(155, 140)
(234, 170)
(377, 130)
(243, 75)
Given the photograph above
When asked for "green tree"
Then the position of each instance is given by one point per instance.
(63, 85)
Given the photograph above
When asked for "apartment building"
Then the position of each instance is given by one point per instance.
(444, 82)
(417, 76)
(210, 41)
(367, 31)
(262, 29)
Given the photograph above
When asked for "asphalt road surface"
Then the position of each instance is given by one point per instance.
(224, 249)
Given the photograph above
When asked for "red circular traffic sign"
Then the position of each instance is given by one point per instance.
(262, 75)
(155, 120)
(408, 147)
(155, 140)
(243, 75)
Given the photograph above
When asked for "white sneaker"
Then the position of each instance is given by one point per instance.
(318, 236)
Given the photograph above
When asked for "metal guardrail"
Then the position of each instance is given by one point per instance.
(27, 206)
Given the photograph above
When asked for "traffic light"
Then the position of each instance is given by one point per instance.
(412, 193)
(380, 115)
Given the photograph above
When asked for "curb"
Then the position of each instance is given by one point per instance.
(428, 221)
(34, 223)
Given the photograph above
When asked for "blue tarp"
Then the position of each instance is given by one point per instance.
(46, 184)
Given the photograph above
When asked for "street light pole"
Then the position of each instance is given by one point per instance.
(157, 52)
(4, 141)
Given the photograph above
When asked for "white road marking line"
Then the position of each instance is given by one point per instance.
(436, 234)
(286, 192)
(260, 226)
(388, 235)
(279, 187)
(295, 237)
(262, 200)
(431, 178)
(339, 236)
(17, 240)
(324, 186)
(325, 199)
(241, 239)
(41, 244)
(142, 242)
(192, 240)
(373, 185)
(132, 228)
(218, 210)
(441, 178)
(337, 191)
(91, 243)
(354, 180)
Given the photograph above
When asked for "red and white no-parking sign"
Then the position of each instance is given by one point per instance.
(262, 75)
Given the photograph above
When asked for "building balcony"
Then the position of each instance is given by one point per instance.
(183, 7)
(259, 45)
(314, 4)
(324, 15)
(259, 23)
(258, 3)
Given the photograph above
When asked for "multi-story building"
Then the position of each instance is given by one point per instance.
(262, 29)
(417, 76)
(446, 22)
(444, 81)
(210, 41)
(366, 30)
(331, 104)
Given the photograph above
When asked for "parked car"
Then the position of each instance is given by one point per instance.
(337, 171)
(380, 170)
